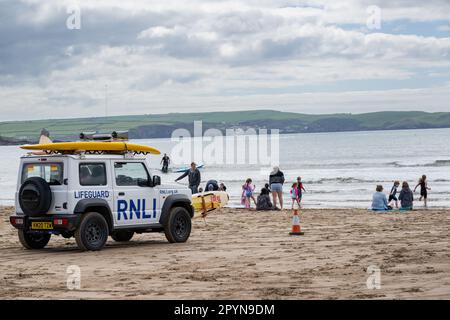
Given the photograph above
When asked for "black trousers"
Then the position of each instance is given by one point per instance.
(194, 189)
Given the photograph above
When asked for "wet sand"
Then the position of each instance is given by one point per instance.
(243, 254)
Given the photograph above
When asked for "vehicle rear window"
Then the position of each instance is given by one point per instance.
(92, 174)
(50, 172)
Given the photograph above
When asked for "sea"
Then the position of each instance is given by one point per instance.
(339, 170)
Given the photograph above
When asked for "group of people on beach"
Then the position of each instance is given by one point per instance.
(274, 187)
(380, 202)
(263, 201)
(406, 196)
(195, 177)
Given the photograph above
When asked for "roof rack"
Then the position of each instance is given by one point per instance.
(86, 153)
(95, 136)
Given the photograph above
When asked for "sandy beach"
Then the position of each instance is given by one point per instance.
(243, 254)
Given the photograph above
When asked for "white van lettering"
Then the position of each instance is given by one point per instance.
(134, 209)
(91, 194)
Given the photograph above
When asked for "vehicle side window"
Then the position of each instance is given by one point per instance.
(92, 174)
(50, 172)
(131, 174)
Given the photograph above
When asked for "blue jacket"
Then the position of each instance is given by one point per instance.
(379, 201)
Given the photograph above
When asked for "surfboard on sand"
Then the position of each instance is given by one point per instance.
(113, 146)
(206, 202)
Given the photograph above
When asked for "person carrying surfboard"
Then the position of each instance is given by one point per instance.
(194, 177)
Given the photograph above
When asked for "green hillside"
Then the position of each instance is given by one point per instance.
(157, 126)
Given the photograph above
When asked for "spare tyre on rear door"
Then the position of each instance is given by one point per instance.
(178, 226)
(35, 197)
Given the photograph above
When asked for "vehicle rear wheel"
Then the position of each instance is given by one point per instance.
(178, 228)
(92, 233)
(33, 240)
(122, 236)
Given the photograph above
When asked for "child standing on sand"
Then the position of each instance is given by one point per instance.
(247, 193)
(423, 189)
(393, 194)
(295, 195)
(301, 189)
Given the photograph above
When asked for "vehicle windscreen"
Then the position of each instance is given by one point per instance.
(50, 172)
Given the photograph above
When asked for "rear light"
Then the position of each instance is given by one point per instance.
(16, 221)
(60, 222)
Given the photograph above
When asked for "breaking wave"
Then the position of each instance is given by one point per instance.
(437, 163)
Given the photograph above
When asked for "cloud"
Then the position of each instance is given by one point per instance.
(160, 56)
(443, 28)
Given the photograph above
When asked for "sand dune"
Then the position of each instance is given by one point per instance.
(243, 254)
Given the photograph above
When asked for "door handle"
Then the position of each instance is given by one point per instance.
(121, 193)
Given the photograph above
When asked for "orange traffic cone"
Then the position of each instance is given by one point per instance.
(296, 229)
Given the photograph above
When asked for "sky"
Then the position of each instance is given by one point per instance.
(64, 59)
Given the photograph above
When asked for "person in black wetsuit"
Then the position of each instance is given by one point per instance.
(165, 161)
(423, 189)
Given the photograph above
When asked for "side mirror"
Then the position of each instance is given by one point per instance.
(156, 181)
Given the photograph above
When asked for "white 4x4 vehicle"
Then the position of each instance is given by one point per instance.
(90, 197)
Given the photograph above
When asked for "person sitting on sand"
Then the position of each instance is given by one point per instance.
(247, 193)
(222, 187)
(379, 200)
(393, 194)
(406, 197)
(267, 186)
(423, 189)
(212, 185)
(263, 201)
(295, 195)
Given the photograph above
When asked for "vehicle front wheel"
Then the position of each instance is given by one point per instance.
(122, 236)
(33, 240)
(92, 233)
(178, 228)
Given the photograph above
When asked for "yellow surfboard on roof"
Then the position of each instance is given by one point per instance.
(111, 146)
